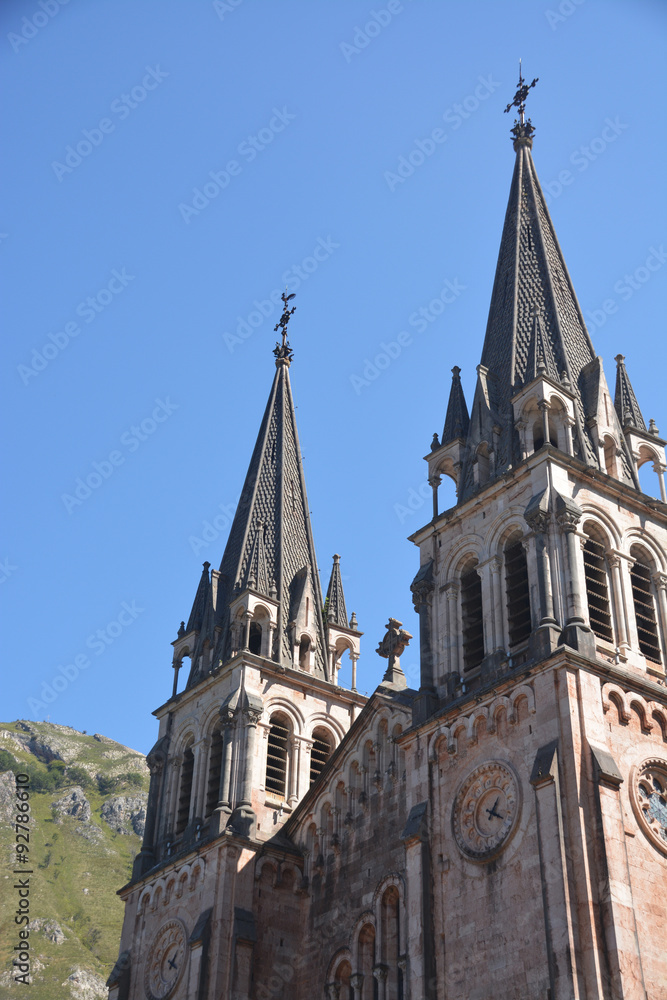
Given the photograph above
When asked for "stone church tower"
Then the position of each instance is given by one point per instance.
(500, 832)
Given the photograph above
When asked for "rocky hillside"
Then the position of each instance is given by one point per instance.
(87, 807)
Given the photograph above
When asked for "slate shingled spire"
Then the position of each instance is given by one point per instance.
(625, 401)
(457, 418)
(270, 546)
(334, 608)
(535, 324)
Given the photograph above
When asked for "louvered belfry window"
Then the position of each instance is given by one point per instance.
(276, 758)
(214, 768)
(597, 588)
(647, 624)
(187, 768)
(472, 618)
(319, 754)
(518, 593)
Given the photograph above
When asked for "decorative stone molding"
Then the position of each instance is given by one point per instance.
(624, 700)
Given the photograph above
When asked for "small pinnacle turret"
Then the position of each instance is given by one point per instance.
(334, 607)
(457, 419)
(625, 401)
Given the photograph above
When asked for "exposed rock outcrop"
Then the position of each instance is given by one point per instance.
(51, 930)
(126, 813)
(86, 985)
(7, 797)
(73, 803)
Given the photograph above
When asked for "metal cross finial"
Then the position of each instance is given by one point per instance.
(522, 128)
(283, 351)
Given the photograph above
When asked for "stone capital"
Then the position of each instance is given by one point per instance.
(380, 972)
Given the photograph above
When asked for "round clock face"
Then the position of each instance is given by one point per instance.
(166, 961)
(649, 800)
(486, 809)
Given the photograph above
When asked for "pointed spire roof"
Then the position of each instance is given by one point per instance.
(201, 601)
(535, 325)
(270, 548)
(625, 401)
(457, 419)
(334, 608)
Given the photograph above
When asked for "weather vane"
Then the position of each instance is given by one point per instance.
(522, 129)
(284, 351)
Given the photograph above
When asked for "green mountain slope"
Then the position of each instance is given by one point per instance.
(87, 808)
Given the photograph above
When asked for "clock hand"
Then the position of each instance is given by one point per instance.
(492, 811)
(172, 963)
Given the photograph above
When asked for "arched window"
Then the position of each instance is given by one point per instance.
(320, 753)
(389, 915)
(644, 601)
(367, 961)
(304, 652)
(517, 591)
(597, 586)
(185, 790)
(255, 638)
(472, 617)
(538, 433)
(610, 456)
(342, 980)
(214, 768)
(277, 756)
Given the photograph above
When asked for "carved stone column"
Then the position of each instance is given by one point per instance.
(660, 583)
(422, 598)
(357, 984)
(538, 517)
(354, 657)
(243, 818)
(659, 469)
(434, 483)
(453, 631)
(380, 973)
(576, 633)
(247, 618)
(497, 604)
(544, 407)
(223, 809)
(614, 563)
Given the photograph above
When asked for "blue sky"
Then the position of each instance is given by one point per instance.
(170, 165)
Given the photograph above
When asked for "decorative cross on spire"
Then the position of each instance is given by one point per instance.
(522, 129)
(283, 352)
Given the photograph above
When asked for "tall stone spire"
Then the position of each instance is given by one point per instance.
(625, 401)
(270, 549)
(535, 329)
